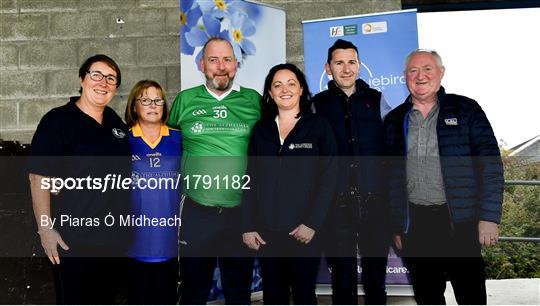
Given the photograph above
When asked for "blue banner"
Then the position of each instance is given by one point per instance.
(383, 41)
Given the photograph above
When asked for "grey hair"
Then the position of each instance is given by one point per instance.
(211, 39)
(436, 55)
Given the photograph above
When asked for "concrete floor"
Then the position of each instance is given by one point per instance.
(507, 292)
(29, 281)
(500, 292)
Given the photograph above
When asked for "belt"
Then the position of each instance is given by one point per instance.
(429, 208)
(210, 209)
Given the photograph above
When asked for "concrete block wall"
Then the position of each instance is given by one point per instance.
(43, 43)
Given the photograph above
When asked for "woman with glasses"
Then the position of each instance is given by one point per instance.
(156, 150)
(82, 142)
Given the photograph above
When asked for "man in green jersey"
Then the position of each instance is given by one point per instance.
(216, 121)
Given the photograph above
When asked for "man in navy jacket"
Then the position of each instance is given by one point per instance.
(359, 214)
(446, 194)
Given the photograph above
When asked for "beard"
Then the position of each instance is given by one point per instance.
(222, 83)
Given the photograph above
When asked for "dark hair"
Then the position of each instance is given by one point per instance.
(136, 91)
(269, 107)
(100, 58)
(340, 44)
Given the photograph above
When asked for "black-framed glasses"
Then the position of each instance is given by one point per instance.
(148, 101)
(98, 76)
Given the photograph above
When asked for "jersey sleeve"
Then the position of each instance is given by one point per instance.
(176, 112)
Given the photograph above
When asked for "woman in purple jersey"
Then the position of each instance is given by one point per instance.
(155, 199)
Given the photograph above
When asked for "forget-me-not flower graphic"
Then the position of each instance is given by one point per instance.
(221, 8)
(240, 28)
(227, 19)
(189, 17)
(198, 36)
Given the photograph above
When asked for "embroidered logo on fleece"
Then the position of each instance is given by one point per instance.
(118, 133)
(451, 121)
(293, 146)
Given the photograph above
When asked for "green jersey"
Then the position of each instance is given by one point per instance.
(215, 140)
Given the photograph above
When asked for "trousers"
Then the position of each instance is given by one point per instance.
(353, 228)
(210, 236)
(435, 250)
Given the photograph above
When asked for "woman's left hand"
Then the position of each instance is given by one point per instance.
(303, 233)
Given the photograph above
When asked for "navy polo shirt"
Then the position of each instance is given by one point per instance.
(70, 144)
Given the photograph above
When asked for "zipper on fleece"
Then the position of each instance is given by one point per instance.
(406, 135)
(439, 123)
(279, 156)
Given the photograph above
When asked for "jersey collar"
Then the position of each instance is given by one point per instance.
(137, 132)
(234, 87)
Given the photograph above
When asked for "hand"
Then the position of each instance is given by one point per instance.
(303, 233)
(49, 239)
(397, 242)
(253, 240)
(488, 233)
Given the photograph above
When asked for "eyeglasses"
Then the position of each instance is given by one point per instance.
(147, 101)
(98, 76)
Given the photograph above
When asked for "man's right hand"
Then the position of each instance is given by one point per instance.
(397, 242)
(49, 239)
(253, 240)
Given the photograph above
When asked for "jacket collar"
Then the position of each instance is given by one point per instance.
(272, 121)
(360, 85)
(441, 94)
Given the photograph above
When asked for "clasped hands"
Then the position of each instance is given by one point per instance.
(302, 233)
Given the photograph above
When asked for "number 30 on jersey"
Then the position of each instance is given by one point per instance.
(220, 113)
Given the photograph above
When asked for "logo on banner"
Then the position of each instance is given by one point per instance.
(374, 27)
(350, 29)
(346, 30)
(337, 31)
